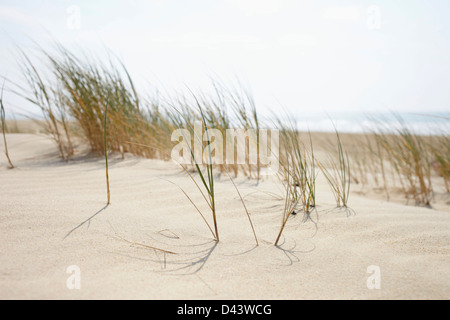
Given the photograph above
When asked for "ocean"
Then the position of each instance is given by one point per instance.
(425, 123)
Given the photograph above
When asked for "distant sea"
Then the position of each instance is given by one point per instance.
(426, 123)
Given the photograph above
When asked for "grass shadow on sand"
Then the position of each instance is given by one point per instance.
(188, 259)
(88, 221)
(290, 253)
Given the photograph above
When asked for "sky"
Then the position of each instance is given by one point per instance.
(306, 56)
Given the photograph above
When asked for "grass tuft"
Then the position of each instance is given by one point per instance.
(338, 174)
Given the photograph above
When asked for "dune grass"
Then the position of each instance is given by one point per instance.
(394, 157)
(106, 154)
(338, 175)
(290, 201)
(47, 97)
(3, 120)
(298, 173)
(210, 113)
(409, 155)
(206, 187)
(71, 95)
(298, 163)
(440, 151)
(75, 91)
(96, 100)
(245, 208)
(95, 94)
(244, 112)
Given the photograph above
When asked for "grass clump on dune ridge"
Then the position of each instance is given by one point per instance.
(73, 97)
(408, 154)
(77, 92)
(48, 97)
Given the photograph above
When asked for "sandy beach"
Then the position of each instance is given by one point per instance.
(53, 216)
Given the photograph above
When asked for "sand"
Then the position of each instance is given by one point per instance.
(44, 202)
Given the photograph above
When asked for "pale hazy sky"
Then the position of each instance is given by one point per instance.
(321, 56)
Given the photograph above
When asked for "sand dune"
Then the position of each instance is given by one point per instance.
(53, 215)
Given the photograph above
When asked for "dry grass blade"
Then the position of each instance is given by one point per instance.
(192, 202)
(2, 117)
(246, 211)
(140, 244)
(106, 154)
(290, 203)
